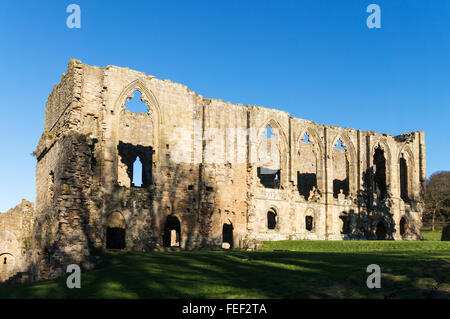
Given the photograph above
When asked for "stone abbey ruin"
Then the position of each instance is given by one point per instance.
(213, 175)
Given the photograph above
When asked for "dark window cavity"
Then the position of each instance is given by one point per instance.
(381, 231)
(115, 231)
(345, 220)
(403, 226)
(269, 178)
(138, 160)
(227, 234)
(309, 220)
(379, 162)
(271, 219)
(306, 182)
(403, 179)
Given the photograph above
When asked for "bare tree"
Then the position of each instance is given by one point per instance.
(437, 197)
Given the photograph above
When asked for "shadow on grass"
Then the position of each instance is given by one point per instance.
(260, 274)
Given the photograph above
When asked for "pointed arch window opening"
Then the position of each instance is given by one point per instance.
(403, 178)
(307, 180)
(305, 139)
(267, 133)
(339, 145)
(269, 176)
(341, 187)
(379, 162)
(135, 104)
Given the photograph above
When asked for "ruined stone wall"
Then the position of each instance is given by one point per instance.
(211, 176)
(15, 229)
(60, 234)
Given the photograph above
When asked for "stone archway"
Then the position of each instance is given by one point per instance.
(172, 232)
(115, 231)
(271, 219)
(7, 265)
(227, 235)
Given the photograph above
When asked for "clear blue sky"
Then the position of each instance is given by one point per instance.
(314, 59)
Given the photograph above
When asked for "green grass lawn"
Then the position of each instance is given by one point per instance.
(304, 269)
(430, 235)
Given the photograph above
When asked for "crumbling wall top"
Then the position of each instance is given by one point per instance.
(68, 92)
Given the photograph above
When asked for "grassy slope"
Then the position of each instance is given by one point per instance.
(312, 269)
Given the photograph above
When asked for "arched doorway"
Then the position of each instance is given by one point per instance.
(7, 268)
(115, 231)
(227, 235)
(381, 231)
(403, 226)
(172, 232)
(271, 219)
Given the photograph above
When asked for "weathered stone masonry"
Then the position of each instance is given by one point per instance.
(15, 229)
(214, 174)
